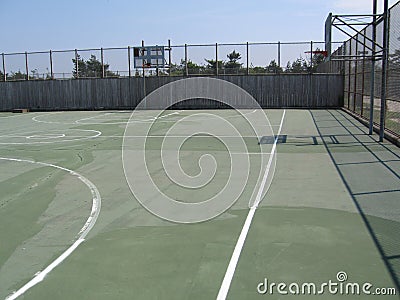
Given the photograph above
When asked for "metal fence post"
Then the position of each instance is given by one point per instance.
(76, 64)
(279, 54)
(384, 69)
(157, 62)
(142, 50)
(216, 59)
(349, 81)
(355, 76)
(363, 73)
(169, 56)
(102, 63)
(372, 92)
(186, 61)
(26, 66)
(247, 58)
(144, 75)
(4, 67)
(129, 62)
(311, 57)
(51, 65)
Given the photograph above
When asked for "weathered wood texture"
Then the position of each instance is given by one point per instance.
(271, 91)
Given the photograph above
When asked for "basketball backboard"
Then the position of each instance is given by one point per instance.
(328, 35)
(149, 57)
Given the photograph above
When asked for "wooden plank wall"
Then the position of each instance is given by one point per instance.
(271, 91)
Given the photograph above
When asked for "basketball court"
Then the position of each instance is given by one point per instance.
(331, 207)
(271, 185)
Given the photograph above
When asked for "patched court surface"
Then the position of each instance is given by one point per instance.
(70, 221)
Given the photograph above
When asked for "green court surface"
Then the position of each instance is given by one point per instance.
(333, 206)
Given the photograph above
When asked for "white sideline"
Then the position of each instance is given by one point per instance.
(226, 283)
(91, 220)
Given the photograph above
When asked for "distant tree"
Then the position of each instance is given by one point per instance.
(212, 64)
(1, 76)
(298, 66)
(82, 70)
(94, 68)
(35, 74)
(176, 69)
(233, 59)
(192, 67)
(317, 59)
(273, 67)
(16, 76)
(48, 74)
(91, 68)
(256, 69)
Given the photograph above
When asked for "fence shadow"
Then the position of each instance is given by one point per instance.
(376, 191)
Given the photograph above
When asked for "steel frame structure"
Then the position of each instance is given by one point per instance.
(349, 24)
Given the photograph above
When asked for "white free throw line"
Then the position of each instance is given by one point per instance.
(226, 283)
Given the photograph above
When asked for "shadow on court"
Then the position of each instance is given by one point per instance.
(371, 173)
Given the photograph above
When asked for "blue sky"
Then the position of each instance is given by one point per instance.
(44, 24)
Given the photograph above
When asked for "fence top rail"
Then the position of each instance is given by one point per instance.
(172, 46)
(15, 53)
(248, 43)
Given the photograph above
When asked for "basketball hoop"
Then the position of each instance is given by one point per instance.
(324, 53)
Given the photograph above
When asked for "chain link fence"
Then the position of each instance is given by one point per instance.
(358, 76)
(186, 60)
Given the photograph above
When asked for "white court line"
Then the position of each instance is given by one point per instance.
(105, 122)
(251, 153)
(91, 220)
(19, 115)
(226, 283)
(93, 117)
(137, 136)
(129, 121)
(51, 140)
(179, 136)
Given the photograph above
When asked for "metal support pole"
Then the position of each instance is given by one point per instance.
(311, 59)
(76, 64)
(216, 58)
(310, 86)
(157, 61)
(372, 92)
(349, 81)
(144, 76)
(51, 65)
(26, 66)
(4, 67)
(142, 53)
(129, 62)
(384, 69)
(169, 56)
(363, 76)
(102, 63)
(355, 77)
(247, 58)
(279, 54)
(186, 61)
